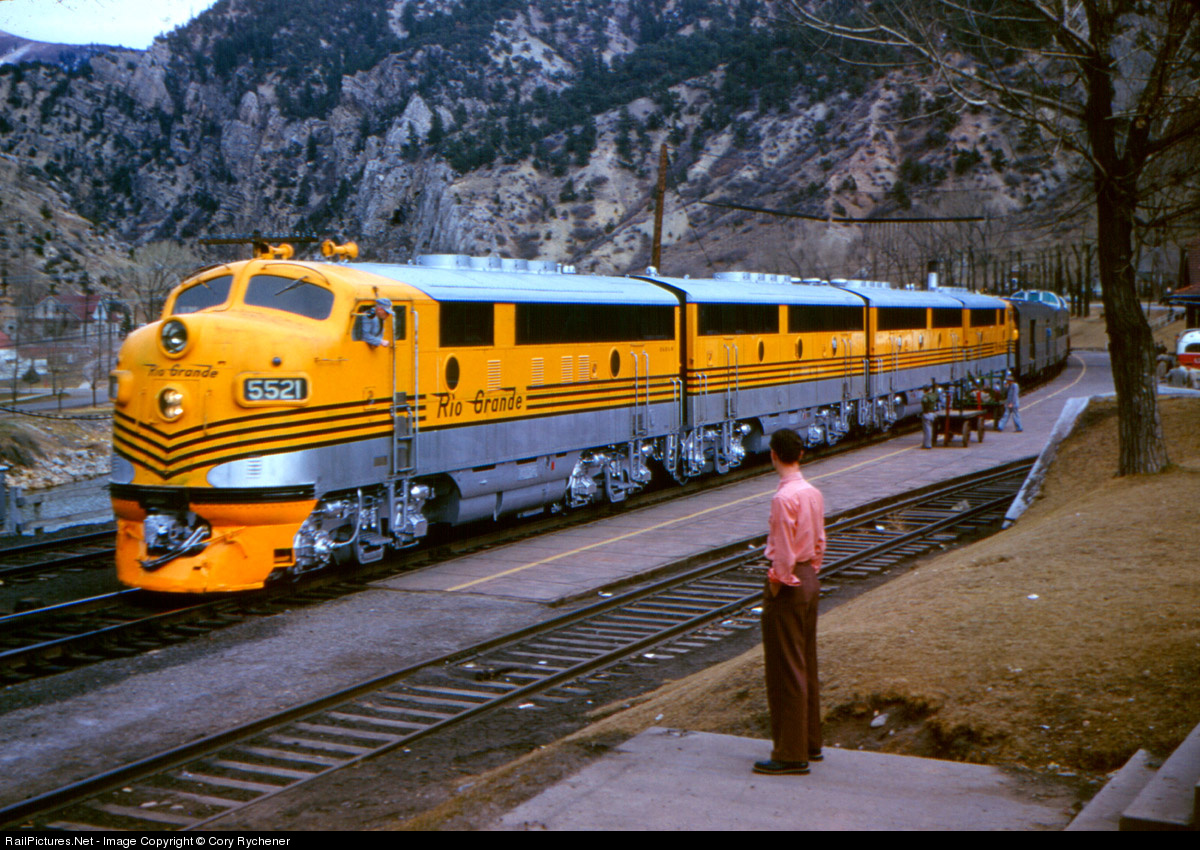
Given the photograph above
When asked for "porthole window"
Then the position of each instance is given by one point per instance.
(799, 349)
(452, 373)
(762, 351)
(614, 363)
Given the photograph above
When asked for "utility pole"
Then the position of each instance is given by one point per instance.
(659, 195)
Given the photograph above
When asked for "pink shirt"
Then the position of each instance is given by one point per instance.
(796, 529)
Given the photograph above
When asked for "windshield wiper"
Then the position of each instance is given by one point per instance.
(291, 285)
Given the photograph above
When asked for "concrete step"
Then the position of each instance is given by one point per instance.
(1169, 801)
(1103, 812)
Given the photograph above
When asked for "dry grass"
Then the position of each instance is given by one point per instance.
(1062, 644)
(1091, 333)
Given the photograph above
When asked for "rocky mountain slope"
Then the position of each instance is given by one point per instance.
(15, 49)
(528, 129)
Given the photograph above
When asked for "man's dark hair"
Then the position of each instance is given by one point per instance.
(787, 445)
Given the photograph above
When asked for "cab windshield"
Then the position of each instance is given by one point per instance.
(205, 294)
(292, 295)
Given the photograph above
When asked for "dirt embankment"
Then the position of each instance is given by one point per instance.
(1061, 645)
(44, 452)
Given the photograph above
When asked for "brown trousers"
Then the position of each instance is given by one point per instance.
(789, 630)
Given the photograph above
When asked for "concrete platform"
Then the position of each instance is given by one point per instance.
(579, 562)
(667, 779)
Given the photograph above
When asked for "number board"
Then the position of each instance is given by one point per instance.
(291, 389)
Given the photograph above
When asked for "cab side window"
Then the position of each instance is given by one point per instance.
(366, 313)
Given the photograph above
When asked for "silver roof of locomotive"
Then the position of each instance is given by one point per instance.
(975, 300)
(748, 288)
(455, 278)
(881, 297)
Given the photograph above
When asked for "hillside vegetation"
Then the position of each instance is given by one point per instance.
(527, 129)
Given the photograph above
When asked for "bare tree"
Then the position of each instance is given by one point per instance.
(1112, 81)
(157, 268)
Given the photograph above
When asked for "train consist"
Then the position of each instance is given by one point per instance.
(284, 416)
(1042, 334)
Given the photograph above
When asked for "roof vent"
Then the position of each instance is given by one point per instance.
(752, 277)
(490, 264)
(443, 261)
(484, 264)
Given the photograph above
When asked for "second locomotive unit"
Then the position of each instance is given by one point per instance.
(284, 416)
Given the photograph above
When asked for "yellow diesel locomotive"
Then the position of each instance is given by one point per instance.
(284, 416)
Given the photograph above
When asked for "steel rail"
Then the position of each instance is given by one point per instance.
(24, 547)
(120, 620)
(11, 557)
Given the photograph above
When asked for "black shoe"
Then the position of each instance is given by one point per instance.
(781, 768)
(816, 756)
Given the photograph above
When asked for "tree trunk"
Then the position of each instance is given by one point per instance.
(1087, 282)
(1130, 342)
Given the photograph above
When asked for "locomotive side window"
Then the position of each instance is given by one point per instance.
(552, 324)
(205, 294)
(818, 318)
(947, 317)
(290, 295)
(731, 319)
(981, 317)
(465, 323)
(901, 318)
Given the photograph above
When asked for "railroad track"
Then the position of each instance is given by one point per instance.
(194, 785)
(47, 556)
(32, 560)
(39, 640)
(49, 640)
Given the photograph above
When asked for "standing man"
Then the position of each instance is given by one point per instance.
(1012, 406)
(929, 408)
(795, 547)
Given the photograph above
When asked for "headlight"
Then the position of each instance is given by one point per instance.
(170, 404)
(173, 336)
